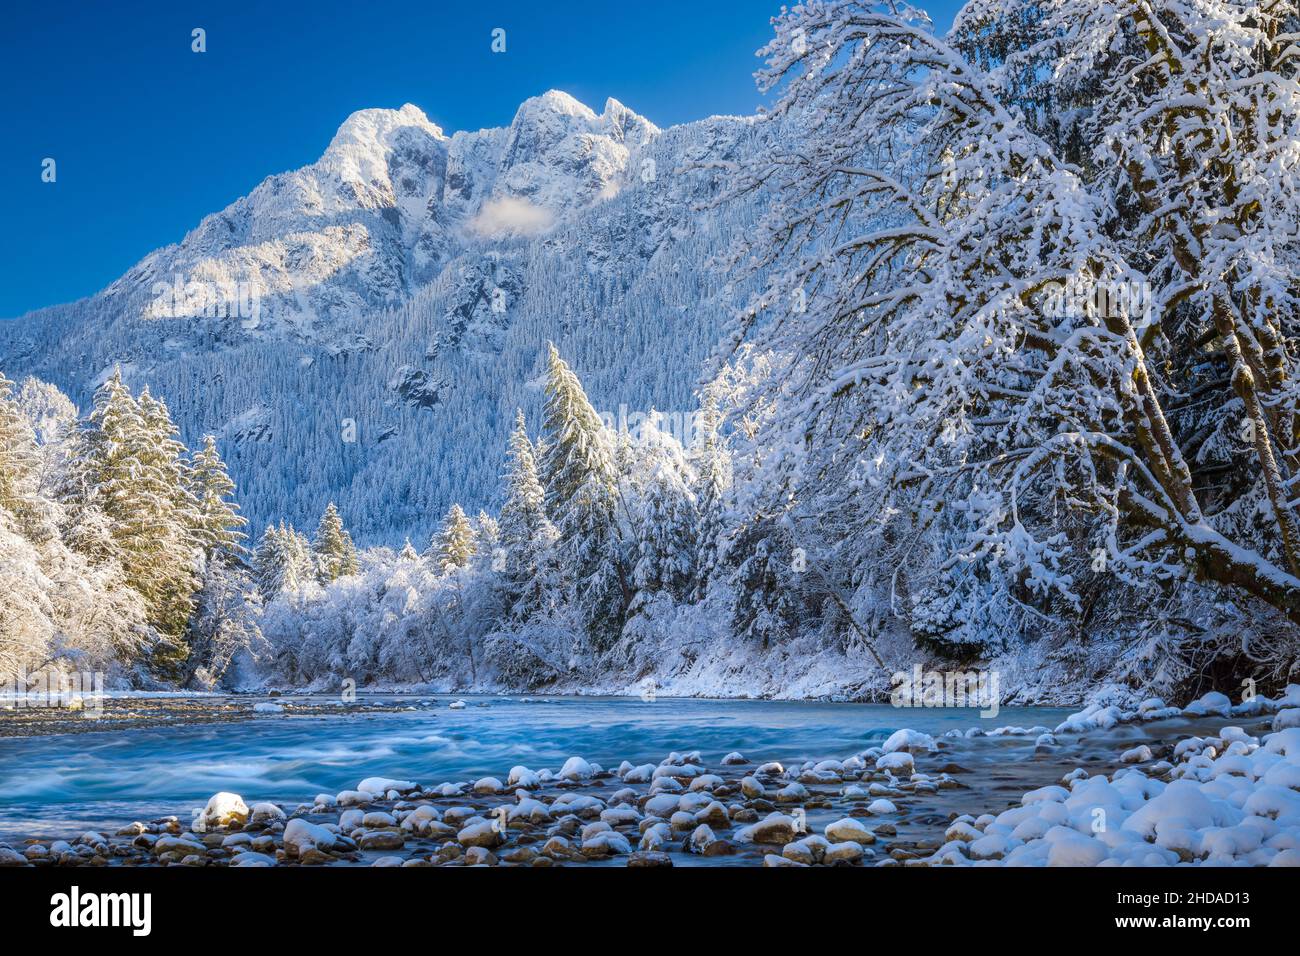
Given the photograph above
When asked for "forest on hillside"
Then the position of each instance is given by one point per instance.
(1016, 386)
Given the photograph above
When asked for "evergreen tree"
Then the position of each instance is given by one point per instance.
(283, 561)
(408, 552)
(302, 566)
(453, 545)
(270, 562)
(336, 556)
(19, 459)
(487, 538)
(527, 536)
(666, 539)
(713, 478)
(581, 498)
(129, 467)
(218, 519)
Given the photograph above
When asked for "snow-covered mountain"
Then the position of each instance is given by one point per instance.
(363, 328)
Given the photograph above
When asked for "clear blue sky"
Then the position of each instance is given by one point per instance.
(149, 136)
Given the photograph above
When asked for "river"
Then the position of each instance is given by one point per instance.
(60, 785)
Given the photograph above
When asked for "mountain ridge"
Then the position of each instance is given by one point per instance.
(376, 284)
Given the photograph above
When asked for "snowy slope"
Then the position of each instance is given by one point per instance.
(362, 328)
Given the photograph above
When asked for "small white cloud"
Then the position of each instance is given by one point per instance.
(510, 215)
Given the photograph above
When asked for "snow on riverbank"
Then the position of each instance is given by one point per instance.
(1227, 800)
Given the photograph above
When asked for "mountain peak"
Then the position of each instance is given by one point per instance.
(555, 102)
(373, 129)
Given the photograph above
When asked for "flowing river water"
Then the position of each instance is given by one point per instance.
(61, 784)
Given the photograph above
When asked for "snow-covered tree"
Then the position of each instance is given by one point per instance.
(218, 519)
(336, 555)
(581, 485)
(487, 553)
(19, 460)
(128, 468)
(453, 545)
(225, 624)
(975, 329)
(666, 521)
(527, 536)
(711, 461)
(282, 561)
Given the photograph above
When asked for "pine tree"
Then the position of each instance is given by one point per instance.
(666, 539)
(763, 588)
(581, 498)
(218, 519)
(487, 538)
(19, 459)
(129, 467)
(302, 567)
(270, 562)
(336, 555)
(527, 536)
(713, 470)
(453, 545)
(408, 552)
(283, 561)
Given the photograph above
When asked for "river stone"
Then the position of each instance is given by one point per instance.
(520, 854)
(715, 815)
(558, 848)
(382, 840)
(846, 852)
(225, 810)
(775, 828)
(643, 858)
(170, 844)
(447, 853)
(457, 816)
(299, 837)
(849, 829)
(605, 843)
(482, 833)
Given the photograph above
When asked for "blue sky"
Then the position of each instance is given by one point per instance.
(149, 136)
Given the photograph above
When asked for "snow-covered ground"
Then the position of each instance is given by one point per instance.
(1228, 799)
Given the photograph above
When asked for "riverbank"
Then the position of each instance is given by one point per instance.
(1227, 793)
(134, 710)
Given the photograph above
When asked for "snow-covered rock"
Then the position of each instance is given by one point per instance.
(224, 810)
(909, 741)
(301, 836)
